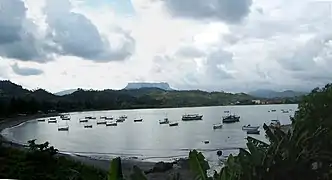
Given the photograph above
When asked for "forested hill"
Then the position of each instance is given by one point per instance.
(15, 99)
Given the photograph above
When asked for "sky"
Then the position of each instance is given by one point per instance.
(213, 45)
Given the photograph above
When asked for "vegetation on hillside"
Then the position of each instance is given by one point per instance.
(16, 100)
(39, 163)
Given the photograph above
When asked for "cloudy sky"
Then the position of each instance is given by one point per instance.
(231, 45)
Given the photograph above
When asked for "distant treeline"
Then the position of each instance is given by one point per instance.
(15, 100)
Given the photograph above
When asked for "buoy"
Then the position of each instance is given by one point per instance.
(219, 152)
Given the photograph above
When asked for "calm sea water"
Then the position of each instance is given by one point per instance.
(148, 140)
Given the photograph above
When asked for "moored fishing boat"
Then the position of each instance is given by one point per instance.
(83, 120)
(111, 124)
(217, 126)
(230, 119)
(191, 117)
(165, 121)
(173, 124)
(101, 122)
(249, 127)
(88, 126)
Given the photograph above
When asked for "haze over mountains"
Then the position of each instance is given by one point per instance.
(261, 93)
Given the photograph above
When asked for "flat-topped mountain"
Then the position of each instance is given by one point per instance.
(139, 85)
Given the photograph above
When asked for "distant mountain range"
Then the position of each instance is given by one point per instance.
(265, 93)
(139, 85)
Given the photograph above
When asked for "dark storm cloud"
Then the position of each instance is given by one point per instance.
(69, 33)
(231, 11)
(77, 36)
(24, 71)
(16, 39)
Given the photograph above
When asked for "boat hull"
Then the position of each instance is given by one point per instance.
(217, 126)
(253, 128)
(113, 124)
(173, 124)
(253, 132)
(196, 118)
(138, 120)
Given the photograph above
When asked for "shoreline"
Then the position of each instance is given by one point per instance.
(102, 164)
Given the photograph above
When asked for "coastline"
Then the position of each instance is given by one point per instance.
(179, 167)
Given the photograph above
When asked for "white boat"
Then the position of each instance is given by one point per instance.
(173, 124)
(217, 126)
(111, 124)
(249, 127)
(83, 120)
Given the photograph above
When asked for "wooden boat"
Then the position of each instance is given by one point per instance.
(249, 127)
(138, 120)
(83, 120)
(217, 126)
(88, 126)
(111, 124)
(173, 124)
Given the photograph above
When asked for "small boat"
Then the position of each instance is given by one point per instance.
(120, 119)
(53, 118)
(217, 126)
(192, 117)
(123, 116)
(230, 119)
(102, 117)
(88, 126)
(63, 128)
(273, 110)
(284, 111)
(226, 111)
(101, 122)
(138, 120)
(253, 131)
(206, 142)
(173, 124)
(66, 118)
(108, 118)
(52, 121)
(165, 121)
(90, 117)
(41, 120)
(83, 120)
(111, 124)
(249, 127)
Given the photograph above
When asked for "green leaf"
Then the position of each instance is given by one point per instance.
(137, 174)
(115, 172)
(198, 165)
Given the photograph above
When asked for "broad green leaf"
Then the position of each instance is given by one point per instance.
(198, 165)
(115, 172)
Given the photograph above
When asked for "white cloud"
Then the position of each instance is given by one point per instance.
(266, 44)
